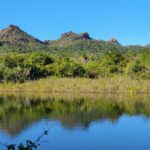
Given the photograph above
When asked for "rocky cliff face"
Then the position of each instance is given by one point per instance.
(114, 41)
(14, 34)
(74, 36)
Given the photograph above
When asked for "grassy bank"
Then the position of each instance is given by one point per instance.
(116, 84)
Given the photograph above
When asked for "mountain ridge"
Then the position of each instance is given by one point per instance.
(14, 38)
(12, 30)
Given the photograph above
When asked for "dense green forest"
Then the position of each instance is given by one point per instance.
(31, 66)
(23, 57)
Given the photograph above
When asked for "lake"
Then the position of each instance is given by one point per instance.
(75, 122)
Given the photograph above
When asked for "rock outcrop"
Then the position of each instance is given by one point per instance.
(14, 34)
(74, 36)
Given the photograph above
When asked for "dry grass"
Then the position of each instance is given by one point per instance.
(118, 84)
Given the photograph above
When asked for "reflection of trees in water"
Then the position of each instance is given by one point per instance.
(18, 112)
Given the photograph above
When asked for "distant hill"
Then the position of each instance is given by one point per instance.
(13, 39)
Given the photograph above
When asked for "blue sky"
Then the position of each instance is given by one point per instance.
(126, 20)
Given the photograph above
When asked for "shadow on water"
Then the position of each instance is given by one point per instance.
(17, 112)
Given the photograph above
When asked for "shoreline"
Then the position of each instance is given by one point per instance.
(114, 85)
(75, 92)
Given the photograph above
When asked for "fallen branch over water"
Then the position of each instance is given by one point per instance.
(30, 145)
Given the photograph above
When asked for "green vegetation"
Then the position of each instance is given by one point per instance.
(15, 67)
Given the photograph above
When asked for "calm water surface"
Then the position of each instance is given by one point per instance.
(101, 123)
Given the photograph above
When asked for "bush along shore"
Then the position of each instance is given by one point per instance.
(16, 67)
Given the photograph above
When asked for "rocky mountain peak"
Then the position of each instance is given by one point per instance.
(13, 34)
(74, 36)
(114, 41)
(13, 27)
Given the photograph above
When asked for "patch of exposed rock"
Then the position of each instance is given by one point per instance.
(74, 36)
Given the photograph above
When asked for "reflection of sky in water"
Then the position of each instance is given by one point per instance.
(128, 133)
